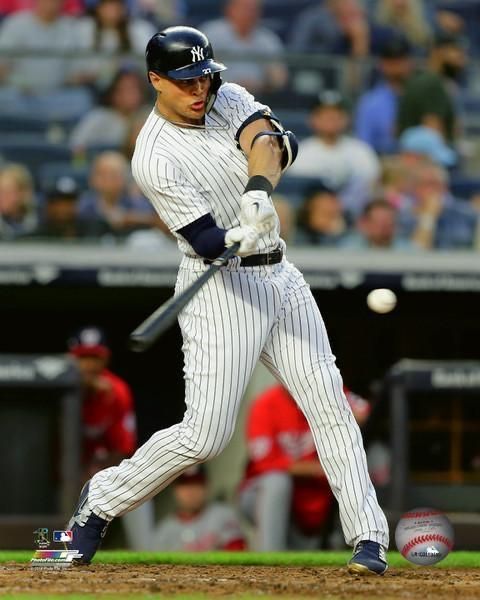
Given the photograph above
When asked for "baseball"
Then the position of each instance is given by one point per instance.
(381, 300)
(424, 536)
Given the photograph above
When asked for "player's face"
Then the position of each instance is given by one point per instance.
(90, 368)
(189, 496)
(182, 101)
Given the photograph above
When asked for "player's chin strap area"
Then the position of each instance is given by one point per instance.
(286, 139)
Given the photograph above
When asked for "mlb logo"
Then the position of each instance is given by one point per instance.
(63, 536)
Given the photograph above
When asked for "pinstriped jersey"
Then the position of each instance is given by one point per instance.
(189, 172)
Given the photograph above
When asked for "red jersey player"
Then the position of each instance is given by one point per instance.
(285, 492)
(108, 418)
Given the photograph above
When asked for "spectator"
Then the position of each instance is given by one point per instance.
(336, 27)
(17, 202)
(108, 125)
(239, 33)
(343, 162)
(376, 115)
(39, 31)
(197, 525)
(377, 229)
(108, 421)
(430, 96)
(427, 142)
(109, 29)
(59, 219)
(407, 16)
(396, 180)
(435, 219)
(285, 492)
(320, 220)
(108, 205)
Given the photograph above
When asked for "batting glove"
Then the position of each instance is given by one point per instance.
(256, 210)
(246, 235)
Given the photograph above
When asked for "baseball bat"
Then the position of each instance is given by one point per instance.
(148, 332)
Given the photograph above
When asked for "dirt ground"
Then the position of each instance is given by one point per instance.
(235, 581)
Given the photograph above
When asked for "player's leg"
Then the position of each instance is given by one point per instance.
(222, 339)
(266, 502)
(298, 351)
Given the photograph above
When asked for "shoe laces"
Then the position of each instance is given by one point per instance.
(362, 545)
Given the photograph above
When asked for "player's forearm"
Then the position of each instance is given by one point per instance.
(265, 158)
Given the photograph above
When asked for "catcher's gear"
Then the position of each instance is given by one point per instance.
(246, 235)
(184, 53)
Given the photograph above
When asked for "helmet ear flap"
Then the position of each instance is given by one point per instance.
(215, 86)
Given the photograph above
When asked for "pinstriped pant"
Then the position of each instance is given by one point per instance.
(241, 315)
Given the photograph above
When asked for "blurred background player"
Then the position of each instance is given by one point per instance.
(109, 430)
(108, 420)
(197, 524)
(285, 493)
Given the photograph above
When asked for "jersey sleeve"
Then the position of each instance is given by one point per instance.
(238, 104)
(175, 199)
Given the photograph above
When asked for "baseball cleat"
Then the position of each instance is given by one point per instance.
(369, 558)
(87, 530)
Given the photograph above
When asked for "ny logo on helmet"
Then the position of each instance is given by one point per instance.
(197, 53)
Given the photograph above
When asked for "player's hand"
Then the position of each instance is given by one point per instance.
(257, 211)
(246, 235)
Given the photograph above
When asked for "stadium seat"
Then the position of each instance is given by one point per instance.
(22, 124)
(33, 154)
(295, 188)
(296, 121)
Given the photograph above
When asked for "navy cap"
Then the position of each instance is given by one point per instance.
(331, 98)
(395, 46)
(63, 187)
(89, 341)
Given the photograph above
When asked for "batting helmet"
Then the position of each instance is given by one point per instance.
(184, 53)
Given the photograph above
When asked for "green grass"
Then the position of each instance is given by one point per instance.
(321, 559)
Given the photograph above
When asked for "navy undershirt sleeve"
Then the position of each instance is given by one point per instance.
(204, 236)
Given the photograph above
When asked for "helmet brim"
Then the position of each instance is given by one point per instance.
(199, 69)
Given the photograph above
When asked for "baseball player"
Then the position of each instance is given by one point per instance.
(197, 525)
(208, 158)
(109, 428)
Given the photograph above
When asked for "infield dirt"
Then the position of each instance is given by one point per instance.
(237, 581)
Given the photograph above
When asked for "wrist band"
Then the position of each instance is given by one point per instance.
(259, 182)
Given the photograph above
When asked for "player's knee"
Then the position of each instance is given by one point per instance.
(203, 449)
(208, 449)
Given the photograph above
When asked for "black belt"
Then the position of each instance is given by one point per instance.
(255, 260)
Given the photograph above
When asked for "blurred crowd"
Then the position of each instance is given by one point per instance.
(381, 94)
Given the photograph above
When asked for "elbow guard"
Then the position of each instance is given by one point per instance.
(287, 141)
